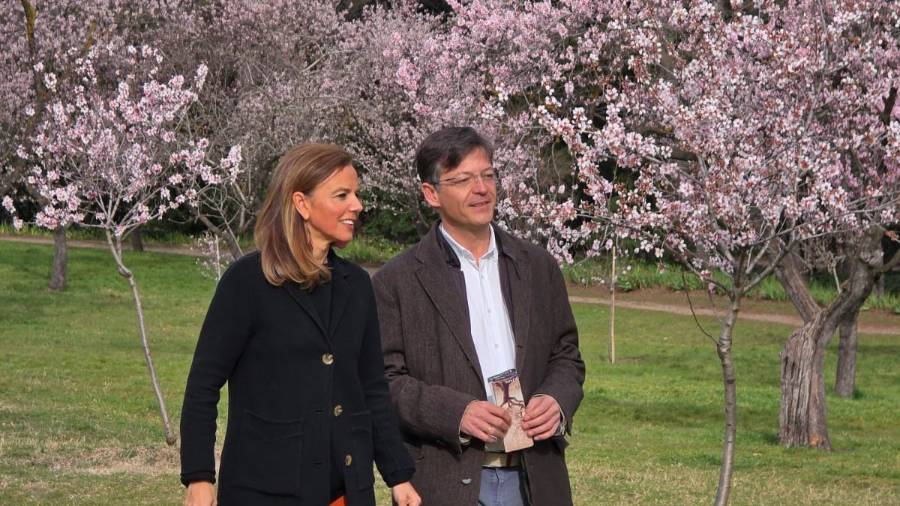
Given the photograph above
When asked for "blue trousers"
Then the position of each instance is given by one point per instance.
(502, 486)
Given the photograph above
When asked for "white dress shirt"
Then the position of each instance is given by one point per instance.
(488, 318)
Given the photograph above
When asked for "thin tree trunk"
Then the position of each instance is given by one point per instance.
(115, 246)
(879, 286)
(60, 261)
(845, 382)
(613, 279)
(802, 418)
(723, 348)
(136, 239)
(234, 249)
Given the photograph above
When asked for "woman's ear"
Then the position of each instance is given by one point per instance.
(301, 204)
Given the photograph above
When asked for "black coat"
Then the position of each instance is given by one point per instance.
(292, 386)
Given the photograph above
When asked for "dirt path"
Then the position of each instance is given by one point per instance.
(873, 322)
(75, 243)
(794, 321)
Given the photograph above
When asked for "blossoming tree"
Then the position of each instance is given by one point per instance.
(747, 130)
(117, 161)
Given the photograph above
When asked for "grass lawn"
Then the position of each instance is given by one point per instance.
(79, 424)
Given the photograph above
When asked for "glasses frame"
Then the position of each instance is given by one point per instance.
(468, 181)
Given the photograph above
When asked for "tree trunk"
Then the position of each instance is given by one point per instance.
(802, 418)
(845, 382)
(234, 249)
(136, 239)
(613, 279)
(723, 348)
(60, 261)
(115, 246)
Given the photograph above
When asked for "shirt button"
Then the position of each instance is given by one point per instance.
(348, 460)
(338, 410)
(328, 359)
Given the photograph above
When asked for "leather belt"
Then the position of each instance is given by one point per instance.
(494, 459)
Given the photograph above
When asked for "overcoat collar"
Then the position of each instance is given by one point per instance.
(340, 295)
(441, 278)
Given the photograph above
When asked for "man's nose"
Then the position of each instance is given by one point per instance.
(479, 185)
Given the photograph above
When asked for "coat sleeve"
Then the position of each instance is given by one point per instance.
(225, 332)
(393, 461)
(431, 412)
(565, 371)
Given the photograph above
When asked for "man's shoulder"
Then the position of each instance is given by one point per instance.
(516, 245)
(399, 265)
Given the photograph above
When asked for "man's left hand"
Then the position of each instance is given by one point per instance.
(541, 420)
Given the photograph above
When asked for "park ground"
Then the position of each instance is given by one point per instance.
(79, 423)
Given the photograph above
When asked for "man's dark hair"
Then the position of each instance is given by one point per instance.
(445, 149)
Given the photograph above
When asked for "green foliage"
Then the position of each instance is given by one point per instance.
(80, 425)
(392, 226)
(370, 250)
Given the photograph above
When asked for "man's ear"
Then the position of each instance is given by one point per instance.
(301, 204)
(429, 191)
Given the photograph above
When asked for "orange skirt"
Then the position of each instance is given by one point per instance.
(338, 502)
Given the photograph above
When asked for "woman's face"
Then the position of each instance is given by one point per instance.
(331, 209)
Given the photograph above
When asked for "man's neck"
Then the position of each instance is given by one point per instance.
(475, 241)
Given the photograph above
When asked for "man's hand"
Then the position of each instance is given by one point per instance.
(405, 495)
(484, 421)
(200, 493)
(541, 420)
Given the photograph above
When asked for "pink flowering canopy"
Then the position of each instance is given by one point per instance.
(738, 128)
(118, 160)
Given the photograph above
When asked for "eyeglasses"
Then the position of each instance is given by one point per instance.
(488, 177)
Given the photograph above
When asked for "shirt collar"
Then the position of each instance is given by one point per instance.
(462, 252)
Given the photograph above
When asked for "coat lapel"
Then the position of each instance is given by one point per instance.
(515, 277)
(303, 300)
(340, 293)
(445, 286)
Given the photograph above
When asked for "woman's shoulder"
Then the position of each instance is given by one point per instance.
(244, 270)
(349, 269)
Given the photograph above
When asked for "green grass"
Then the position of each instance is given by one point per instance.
(79, 425)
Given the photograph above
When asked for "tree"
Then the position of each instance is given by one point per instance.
(267, 90)
(117, 161)
(852, 49)
(405, 72)
(720, 112)
(43, 42)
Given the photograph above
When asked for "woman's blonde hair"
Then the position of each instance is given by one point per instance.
(281, 233)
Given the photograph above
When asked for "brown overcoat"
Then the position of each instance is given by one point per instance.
(433, 369)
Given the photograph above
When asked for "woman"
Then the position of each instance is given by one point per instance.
(293, 330)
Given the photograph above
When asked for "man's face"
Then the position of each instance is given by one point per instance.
(465, 196)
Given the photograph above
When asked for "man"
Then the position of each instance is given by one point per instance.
(467, 302)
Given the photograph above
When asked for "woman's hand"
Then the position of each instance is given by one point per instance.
(405, 495)
(202, 493)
